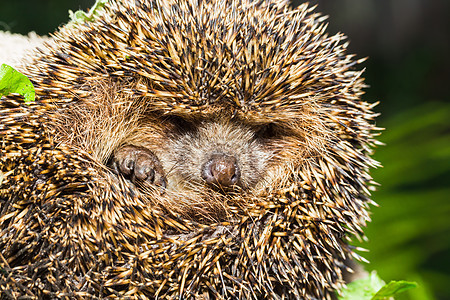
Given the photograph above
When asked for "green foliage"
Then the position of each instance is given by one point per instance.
(393, 288)
(410, 232)
(373, 288)
(12, 81)
(362, 289)
(80, 16)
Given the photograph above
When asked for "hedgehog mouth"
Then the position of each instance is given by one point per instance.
(193, 201)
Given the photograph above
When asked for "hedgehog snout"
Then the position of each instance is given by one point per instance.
(221, 169)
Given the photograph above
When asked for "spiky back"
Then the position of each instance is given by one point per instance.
(71, 228)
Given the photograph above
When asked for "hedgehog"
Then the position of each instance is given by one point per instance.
(214, 149)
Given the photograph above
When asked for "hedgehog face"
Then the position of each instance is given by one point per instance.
(221, 154)
(214, 159)
(226, 152)
(209, 154)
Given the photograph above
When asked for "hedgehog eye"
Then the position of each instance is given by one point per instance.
(267, 131)
(180, 123)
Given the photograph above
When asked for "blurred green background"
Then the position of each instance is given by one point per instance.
(408, 45)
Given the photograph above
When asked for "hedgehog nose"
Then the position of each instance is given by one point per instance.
(221, 169)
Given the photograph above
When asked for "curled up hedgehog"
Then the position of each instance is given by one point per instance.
(214, 149)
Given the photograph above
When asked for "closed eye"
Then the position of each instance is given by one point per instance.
(267, 131)
(179, 123)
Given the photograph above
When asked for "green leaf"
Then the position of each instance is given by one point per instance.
(362, 289)
(12, 81)
(80, 16)
(393, 288)
(374, 288)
